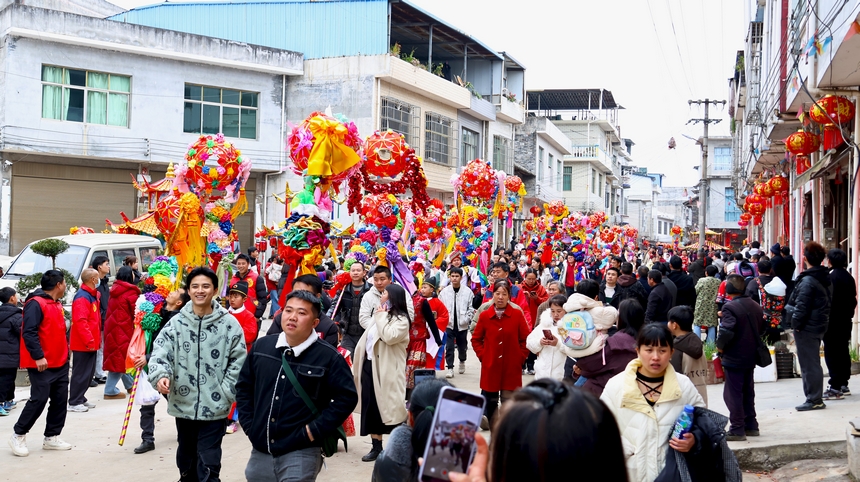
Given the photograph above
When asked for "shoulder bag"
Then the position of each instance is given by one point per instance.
(329, 441)
(762, 352)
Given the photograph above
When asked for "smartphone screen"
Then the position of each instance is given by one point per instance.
(451, 444)
(423, 374)
(547, 334)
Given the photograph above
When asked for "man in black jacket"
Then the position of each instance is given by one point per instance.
(697, 267)
(284, 431)
(628, 287)
(739, 331)
(684, 282)
(326, 328)
(785, 270)
(347, 306)
(659, 301)
(10, 347)
(838, 335)
(808, 308)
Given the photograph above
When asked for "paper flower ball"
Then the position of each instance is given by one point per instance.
(212, 163)
(386, 154)
(325, 146)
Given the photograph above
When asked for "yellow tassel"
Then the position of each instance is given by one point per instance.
(241, 205)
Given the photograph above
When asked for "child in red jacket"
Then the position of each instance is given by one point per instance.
(236, 297)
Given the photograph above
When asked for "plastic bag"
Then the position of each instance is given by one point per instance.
(136, 347)
(146, 395)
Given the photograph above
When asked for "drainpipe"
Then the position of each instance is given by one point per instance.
(854, 219)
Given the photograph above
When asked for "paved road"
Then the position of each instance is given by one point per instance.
(95, 451)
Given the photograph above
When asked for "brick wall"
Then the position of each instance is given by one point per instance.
(525, 147)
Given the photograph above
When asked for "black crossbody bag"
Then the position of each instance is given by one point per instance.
(329, 442)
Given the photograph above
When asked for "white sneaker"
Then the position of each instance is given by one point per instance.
(77, 408)
(55, 443)
(450, 373)
(18, 443)
(462, 368)
(89, 404)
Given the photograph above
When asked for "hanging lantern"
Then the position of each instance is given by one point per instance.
(766, 190)
(755, 198)
(757, 220)
(802, 143)
(840, 109)
(535, 210)
(746, 217)
(743, 224)
(831, 137)
(756, 209)
(779, 184)
(803, 163)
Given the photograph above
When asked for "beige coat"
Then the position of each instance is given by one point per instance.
(389, 366)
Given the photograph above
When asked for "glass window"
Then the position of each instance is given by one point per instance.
(722, 158)
(210, 110)
(567, 179)
(439, 137)
(118, 257)
(549, 164)
(83, 96)
(400, 117)
(28, 262)
(147, 256)
(503, 156)
(470, 146)
(558, 171)
(539, 167)
(732, 213)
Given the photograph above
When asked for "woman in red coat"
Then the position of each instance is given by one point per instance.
(499, 341)
(119, 326)
(535, 294)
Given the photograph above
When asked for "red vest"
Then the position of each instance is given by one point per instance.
(52, 335)
(251, 278)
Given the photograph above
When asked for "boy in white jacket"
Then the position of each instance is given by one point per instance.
(551, 360)
(586, 299)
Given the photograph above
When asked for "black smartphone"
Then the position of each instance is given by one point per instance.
(423, 374)
(451, 444)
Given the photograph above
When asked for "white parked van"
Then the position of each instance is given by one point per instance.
(83, 248)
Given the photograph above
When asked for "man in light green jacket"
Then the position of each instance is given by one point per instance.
(196, 362)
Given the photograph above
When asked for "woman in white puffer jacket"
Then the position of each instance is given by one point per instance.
(550, 361)
(646, 399)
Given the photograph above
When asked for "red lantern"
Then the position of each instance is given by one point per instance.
(756, 209)
(779, 184)
(839, 109)
(743, 224)
(535, 210)
(757, 220)
(766, 190)
(831, 137)
(754, 198)
(803, 164)
(802, 143)
(746, 217)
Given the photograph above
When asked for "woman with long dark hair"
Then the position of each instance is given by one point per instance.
(379, 368)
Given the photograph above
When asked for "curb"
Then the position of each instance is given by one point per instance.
(775, 456)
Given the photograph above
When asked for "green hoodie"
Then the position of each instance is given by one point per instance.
(202, 358)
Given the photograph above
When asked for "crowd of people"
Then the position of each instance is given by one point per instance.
(616, 348)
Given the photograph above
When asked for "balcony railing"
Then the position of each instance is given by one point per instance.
(506, 110)
(585, 151)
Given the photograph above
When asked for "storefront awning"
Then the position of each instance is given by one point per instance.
(821, 167)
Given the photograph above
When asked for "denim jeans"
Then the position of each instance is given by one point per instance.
(296, 466)
(273, 307)
(712, 332)
(113, 378)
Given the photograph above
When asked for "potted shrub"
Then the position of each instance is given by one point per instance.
(855, 360)
(714, 372)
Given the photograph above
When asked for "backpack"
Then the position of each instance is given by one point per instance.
(745, 269)
(576, 330)
(771, 305)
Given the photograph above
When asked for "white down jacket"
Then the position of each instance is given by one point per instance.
(645, 430)
(550, 361)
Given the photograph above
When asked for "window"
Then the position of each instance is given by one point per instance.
(722, 158)
(439, 138)
(558, 172)
(503, 156)
(84, 96)
(470, 147)
(732, 213)
(567, 179)
(210, 110)
(549, 165)
(539, 168)
(593, 181)
(401, 117)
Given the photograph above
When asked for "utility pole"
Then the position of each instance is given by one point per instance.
(703, 170)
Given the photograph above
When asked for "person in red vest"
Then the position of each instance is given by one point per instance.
(258, 297)
(85, 340)
(45, 355)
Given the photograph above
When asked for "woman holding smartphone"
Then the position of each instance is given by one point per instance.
(380, 364)
(499, 342)
(544, 340)
(647, 399)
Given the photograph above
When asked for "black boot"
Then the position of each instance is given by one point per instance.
(374, 452)
(144, 447)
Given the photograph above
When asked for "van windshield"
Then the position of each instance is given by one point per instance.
(29, 262)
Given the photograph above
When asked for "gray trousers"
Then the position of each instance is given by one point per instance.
(809, 357)
(297, 466)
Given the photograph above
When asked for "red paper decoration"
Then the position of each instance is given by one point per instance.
(802, 143)
(743, 224)
(802, 164)
(757, 220)
(746, 217)
(839, 109)
(831, 137)
(386, 154)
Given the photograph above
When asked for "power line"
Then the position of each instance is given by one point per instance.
(678, 48)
